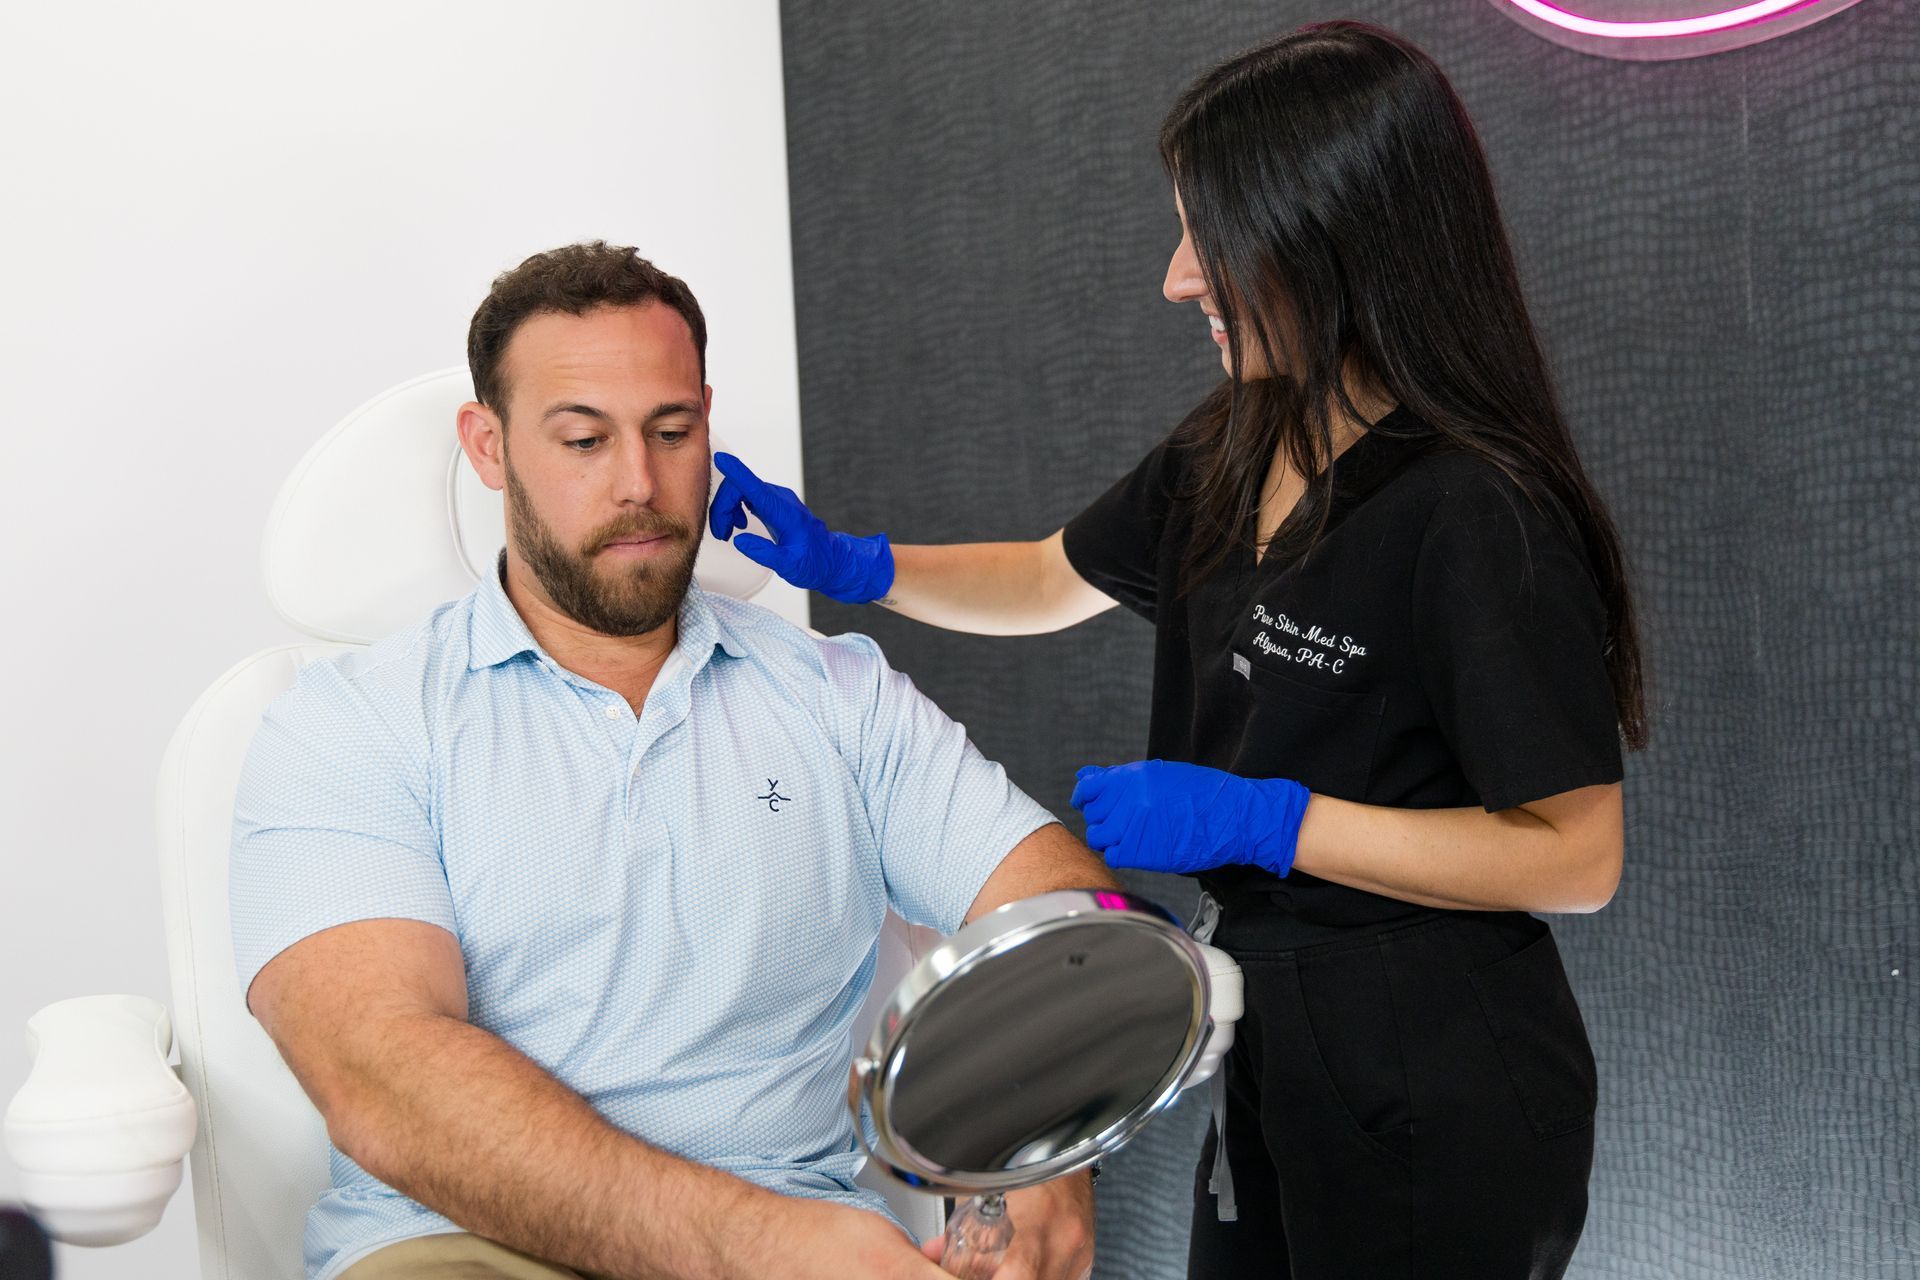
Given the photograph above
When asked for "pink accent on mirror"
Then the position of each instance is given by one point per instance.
(1759, 11)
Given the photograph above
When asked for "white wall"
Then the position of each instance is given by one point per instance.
(223, 226)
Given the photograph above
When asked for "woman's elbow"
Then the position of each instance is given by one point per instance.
(1588, 835)
(1596, 880)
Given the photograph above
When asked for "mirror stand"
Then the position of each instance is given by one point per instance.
(978, 1237)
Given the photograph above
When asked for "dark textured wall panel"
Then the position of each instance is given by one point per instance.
(1724, 258)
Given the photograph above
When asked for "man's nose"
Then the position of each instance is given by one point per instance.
(633, 479)
(1184, 282)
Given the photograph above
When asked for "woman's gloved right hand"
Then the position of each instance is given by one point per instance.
(803, 551)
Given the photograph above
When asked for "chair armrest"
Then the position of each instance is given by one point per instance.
(1226, 1004)
(99, 1130)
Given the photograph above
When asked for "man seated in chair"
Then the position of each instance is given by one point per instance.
(560, 904)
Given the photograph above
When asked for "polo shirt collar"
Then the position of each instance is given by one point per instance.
(702, 631)
(496, 632)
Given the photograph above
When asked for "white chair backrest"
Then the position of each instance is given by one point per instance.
(259, 1158)
(381, 521)
(384, 519)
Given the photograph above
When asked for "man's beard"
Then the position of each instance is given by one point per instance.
(640, 597)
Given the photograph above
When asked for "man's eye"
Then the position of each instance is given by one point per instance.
(583, 445)
(673, 437)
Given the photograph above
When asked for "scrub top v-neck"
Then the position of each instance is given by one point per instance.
(1442, 646)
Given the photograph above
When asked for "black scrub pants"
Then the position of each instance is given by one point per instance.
(1411, 1104)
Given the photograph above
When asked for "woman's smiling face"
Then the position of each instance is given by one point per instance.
(1186, 282)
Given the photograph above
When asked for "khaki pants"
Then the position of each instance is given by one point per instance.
(455, 1256)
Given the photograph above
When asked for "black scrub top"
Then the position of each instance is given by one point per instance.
(1440, 647)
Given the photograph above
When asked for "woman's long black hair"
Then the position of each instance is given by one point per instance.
(1345, 221)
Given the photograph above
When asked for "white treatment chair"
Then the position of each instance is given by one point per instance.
(382, 520)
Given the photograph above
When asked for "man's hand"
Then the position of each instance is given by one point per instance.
(1052, 1232)
(820, 1240)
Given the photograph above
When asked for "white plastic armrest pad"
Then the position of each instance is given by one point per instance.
(1229, 985)
(101, 1098)
(99, 1129)
(1223, 1011)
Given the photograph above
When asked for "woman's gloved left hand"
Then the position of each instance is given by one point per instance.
(1159, 815)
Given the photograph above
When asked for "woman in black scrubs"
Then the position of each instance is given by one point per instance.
(1395, 662)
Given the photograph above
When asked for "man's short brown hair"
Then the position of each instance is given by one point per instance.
(575, 279)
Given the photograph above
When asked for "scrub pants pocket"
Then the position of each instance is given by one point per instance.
(1318, 1130)
(1352, 1032)
(1536, 1025)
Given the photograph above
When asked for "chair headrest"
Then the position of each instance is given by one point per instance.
(384, 519)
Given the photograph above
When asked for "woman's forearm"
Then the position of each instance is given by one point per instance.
(992, 588)
(1559, 855)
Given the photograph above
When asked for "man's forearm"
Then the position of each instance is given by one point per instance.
(461, 1121)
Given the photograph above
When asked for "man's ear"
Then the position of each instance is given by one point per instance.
(483, 438)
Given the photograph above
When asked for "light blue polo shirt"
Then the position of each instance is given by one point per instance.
(675, 914)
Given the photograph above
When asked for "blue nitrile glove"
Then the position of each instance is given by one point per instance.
(1162, 816)
(804, 551)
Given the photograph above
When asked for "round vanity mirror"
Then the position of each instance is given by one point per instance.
(1026, 1046)
(1033, 1041)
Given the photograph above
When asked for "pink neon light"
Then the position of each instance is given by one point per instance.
(1755, 12)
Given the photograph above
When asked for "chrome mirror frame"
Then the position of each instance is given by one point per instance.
(876, 1068)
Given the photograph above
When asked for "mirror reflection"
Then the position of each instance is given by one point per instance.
(1042, 1048)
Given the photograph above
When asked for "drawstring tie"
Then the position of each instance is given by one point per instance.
(1205, 921)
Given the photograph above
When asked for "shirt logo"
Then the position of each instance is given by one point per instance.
(773, 796)
(1313, 646)
(1242, 667)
